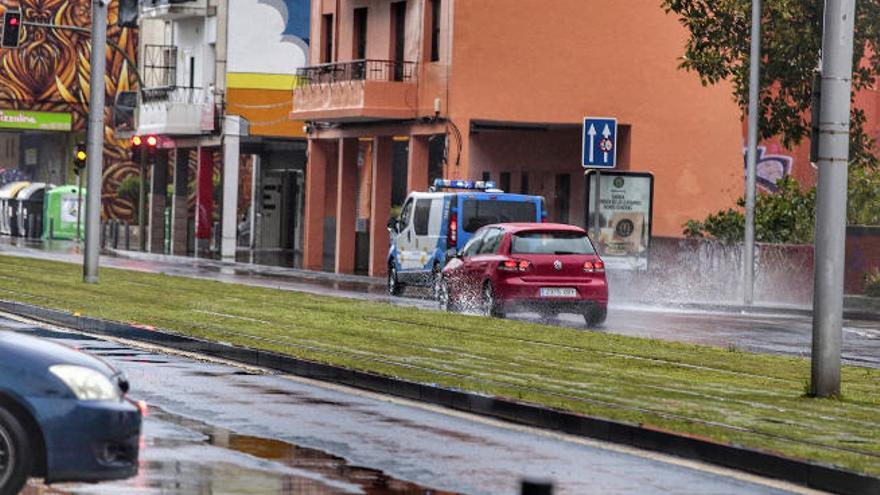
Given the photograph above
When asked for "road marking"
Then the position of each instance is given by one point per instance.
(497, 423)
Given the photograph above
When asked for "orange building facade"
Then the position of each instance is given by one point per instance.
(495, 89)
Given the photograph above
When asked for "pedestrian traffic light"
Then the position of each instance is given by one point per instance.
(11, 28)
(79, 158)
(128, 14)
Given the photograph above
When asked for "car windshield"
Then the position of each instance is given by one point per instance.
(479, 212)
(549, 242)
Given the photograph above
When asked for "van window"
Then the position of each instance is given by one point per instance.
(406, 214)
(544, 242)
(477, 213)
(421, 216)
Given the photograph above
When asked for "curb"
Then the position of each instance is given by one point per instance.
(252, 268)
(758, 462)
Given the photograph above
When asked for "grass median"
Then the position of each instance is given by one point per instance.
(750, 399)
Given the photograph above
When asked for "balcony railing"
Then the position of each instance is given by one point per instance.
(357, 70)
(175, 94)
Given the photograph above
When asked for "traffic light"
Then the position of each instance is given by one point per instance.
(79, 158)
(11, 28)
(136, 148)
(152, 143)
(128, 14)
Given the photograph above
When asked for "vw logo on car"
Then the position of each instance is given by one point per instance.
(557, 265)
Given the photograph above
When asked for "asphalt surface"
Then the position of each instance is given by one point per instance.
(780, 332)
(215, 428)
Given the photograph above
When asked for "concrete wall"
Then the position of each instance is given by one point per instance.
(862, 256)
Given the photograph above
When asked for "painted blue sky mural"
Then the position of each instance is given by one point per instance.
(298, 12)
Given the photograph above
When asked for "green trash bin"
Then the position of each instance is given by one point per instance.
(59, 213)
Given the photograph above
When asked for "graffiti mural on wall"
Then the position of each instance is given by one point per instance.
(770, 168)
(50, 72)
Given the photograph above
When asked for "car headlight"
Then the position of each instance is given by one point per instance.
(86, 383)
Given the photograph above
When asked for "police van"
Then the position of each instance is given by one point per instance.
(433, 226)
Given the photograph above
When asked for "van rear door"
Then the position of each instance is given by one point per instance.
(477, 210)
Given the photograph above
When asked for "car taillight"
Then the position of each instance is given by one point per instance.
(594, 266)
(515, 265)
(452, 233)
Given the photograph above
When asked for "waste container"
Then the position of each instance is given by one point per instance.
(59, 213)
(7, 199)
(30, 210)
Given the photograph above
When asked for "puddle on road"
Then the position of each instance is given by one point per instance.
(185, 456)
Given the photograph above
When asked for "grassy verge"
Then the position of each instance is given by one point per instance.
(750, 399)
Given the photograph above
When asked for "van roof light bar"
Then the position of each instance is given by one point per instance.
(465, 184)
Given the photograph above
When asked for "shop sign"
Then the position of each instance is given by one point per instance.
(40, 121)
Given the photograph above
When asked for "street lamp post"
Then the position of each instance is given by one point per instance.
(95, 140)
(751, 161)
(833, 159)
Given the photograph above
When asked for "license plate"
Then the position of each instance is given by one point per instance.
(558, 292)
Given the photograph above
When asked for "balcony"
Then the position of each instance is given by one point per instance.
(164, 107)
(356, 91)
(175, 111)
(173, 9)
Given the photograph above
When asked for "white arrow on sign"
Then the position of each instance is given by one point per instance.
(606, 133)
(592, 134)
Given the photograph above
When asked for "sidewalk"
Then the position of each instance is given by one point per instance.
(356, 286)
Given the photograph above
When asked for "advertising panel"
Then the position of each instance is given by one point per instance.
(622, 228)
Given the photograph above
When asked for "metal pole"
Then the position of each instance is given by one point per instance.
(837, 54)
(596, 205)
(142, 203)
(79, 202)
(752, 158)
(95, 140)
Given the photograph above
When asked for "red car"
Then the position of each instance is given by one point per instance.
(544, 267)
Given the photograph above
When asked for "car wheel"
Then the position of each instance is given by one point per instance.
(489, 304)
(16, 456)
(395, 288)
(595, 316)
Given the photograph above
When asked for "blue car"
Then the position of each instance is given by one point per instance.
(433, 226)
(63, 415)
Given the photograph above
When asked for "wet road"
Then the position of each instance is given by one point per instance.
(772, 333)
(215, 428)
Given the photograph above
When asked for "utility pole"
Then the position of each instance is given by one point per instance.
(752, 156)
(142, 203)
(95, 140)
(837, 54)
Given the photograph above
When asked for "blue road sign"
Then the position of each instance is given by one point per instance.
(600, 142)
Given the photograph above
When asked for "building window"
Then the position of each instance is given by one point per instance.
(398, 37)
(435, 30)
(360, 33)
(524, 186)
(327, 38)
(504, 181)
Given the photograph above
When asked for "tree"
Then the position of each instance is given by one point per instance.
(718, 50)
(786, 216)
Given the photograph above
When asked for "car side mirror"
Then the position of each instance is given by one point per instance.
(393, 224)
